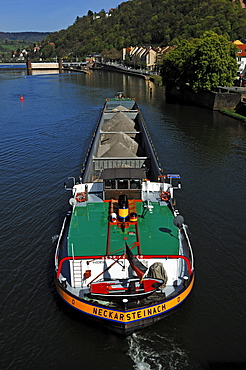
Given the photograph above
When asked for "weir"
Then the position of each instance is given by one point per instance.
(53, 66)
(38, 66)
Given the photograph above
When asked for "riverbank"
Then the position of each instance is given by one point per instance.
(227, 100)
(223, 98)
(232, 113)
(4, 67)
(147, 75)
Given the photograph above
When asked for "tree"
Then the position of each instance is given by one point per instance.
(47, 51)
(152, 22)
(203, 63)
(112, 54)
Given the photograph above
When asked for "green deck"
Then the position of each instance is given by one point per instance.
(89, 232)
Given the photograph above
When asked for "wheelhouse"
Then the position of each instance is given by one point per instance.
(123, 181)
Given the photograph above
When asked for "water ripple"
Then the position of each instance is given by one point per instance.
(153, 351)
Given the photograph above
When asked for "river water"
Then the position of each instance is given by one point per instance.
(44, 140)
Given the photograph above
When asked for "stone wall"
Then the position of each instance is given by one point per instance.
(206, 99)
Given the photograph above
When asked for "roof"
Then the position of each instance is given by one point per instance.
(123, 173)
(242, 50)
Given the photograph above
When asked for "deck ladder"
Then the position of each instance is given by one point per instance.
(77, 273)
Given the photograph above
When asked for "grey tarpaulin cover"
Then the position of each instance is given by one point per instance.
(157, 271)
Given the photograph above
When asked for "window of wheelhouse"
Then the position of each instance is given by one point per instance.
(135, 184)
(110, 184)
(121, 184)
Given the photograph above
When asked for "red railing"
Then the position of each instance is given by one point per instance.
(186, 259)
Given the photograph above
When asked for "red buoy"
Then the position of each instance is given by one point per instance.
(21, 97)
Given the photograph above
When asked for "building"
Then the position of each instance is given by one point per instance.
(143, 57)
(147, 57)
(241, 58)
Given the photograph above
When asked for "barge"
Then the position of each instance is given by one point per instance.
(123, 256)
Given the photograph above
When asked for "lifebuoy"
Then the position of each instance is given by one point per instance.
(165, 196)
(80, 197)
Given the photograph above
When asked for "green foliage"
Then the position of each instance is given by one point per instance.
(47, 51)
(112, 54)
(155, 22)
(26, 37)
(156, 79)
(203, 63)
(233, 114)
(7, 47)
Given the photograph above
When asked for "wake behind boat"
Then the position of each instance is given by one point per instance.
(123, 256)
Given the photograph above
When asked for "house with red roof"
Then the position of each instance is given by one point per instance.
(241, 58)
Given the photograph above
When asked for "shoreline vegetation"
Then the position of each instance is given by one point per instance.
(156, 79)
(233, 114)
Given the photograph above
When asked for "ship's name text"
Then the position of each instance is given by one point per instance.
(130, 316)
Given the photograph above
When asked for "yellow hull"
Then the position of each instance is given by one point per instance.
(145, 315)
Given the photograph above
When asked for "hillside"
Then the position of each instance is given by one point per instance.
(17, 41)
(27, 37)
(145, 22)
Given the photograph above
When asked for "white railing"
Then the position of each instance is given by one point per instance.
(189, 244)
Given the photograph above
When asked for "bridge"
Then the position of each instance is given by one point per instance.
(59, 66)
(74, 64)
